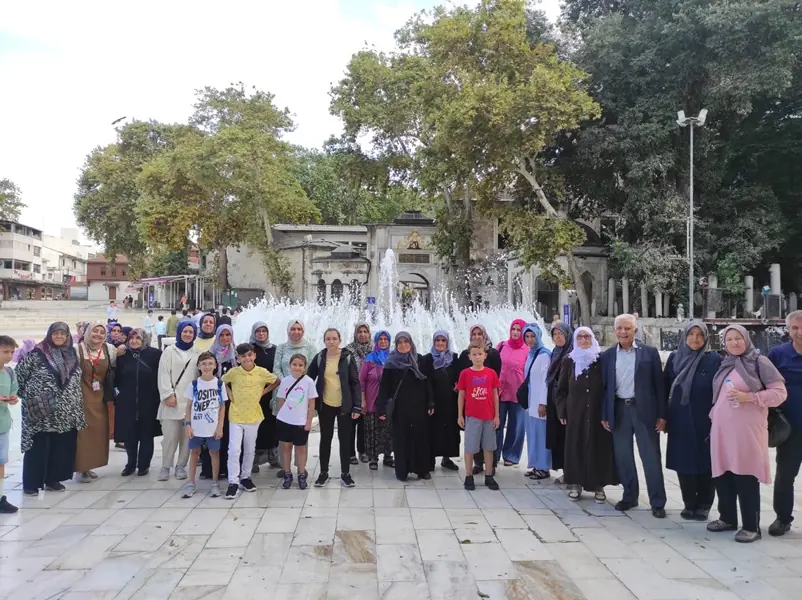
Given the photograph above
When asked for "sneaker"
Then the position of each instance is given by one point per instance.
(747, 537)
(164, 474)
(189, 490)
(322, 479)
(303, 481)
(127, 471)
(216, 492)
(247, 485)
(56, 486)
(469, 484)
(490, 482)
(779, 528)
(92, 475)
(180, 473)
(232, 491)
(718, 525)
(346, 480)
(287, 483)
(6, 508)
(84, 478)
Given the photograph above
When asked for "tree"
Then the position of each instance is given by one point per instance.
(11, 203)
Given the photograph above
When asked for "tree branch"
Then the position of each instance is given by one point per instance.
(541, 196)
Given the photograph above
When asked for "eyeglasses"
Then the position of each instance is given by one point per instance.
(584, 336)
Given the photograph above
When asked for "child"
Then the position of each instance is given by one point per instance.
(8, 396)
(478, 413)
(246, 384)
(161, 330)
(294, 419)
(148, 327)
(206, 408)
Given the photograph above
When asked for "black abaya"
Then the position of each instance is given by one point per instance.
(555, 431)
(444, 437)
(266, 438)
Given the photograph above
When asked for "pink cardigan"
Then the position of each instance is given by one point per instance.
(512, 371)
(739, 437)
(370, 376)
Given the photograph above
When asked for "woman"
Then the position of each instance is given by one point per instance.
(225, 351)
(359, 349)
(339, 399)
(441, 369)
(744, 388)
(589, 462)
(377, 432)
(114, 332)
(562, 336)
(49, 381)
(493, 360)
(207, 327)
(177, 369)
(689, 376)
(536, 369)
(97, 358)
(265, 358)
(513, 354)
(405, 397)
(137, 402)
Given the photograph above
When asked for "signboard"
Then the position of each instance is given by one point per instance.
(567, 313)
(371, 300)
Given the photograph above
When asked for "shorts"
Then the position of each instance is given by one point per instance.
(5, 440)
(293, 434)
(211, 443)
(479, 435)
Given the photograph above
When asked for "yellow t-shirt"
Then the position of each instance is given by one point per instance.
(332, 391)
(247, 388)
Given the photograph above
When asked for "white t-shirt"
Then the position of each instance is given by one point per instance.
(205, 408)
(296, 406)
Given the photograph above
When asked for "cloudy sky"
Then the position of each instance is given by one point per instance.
(71, 68)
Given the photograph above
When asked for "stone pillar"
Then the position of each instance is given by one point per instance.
(749, 285)
(644, 301)
(611, 297)
(774, 278)
(592, 309)
(625, 293)
(658, 304)
(666, 304)
(712, 284)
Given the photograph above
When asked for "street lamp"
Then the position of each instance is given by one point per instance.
(684, 121)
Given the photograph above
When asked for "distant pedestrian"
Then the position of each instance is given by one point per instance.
(161, 330)
(9, 389)
(149, 327)
(172, 323)
(111, 312)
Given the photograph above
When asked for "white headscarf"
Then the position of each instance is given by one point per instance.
(584, 357)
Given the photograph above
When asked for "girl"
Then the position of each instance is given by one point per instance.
(294, 420)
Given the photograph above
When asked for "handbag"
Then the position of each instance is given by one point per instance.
(522, 395)
(109, 393)
(779, 427)
(391, 402)
(38, 408)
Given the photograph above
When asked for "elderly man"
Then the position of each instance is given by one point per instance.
(634, 403)
(788, 360)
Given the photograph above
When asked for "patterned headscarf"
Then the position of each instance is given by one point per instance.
(62, 360)
(142, 336)
(488, 342)
(27, 347)
(266, 345)
(404, 360)
(379, 356)
(442, 360)
(223, 353)
(584, 357)
(361, 350)
(109, 339)
(746, 365)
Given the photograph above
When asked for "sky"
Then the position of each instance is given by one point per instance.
(71, 68)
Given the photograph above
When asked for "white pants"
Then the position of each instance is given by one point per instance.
(240, 434)
(174, 438)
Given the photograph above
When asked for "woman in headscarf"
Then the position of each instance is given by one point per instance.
(207, 328)
(493, 361)
(562, 336)
(689, 376)
(49, 381)
(513, 354)
(27, 346)
(137, 402)
(266, 442)
(296, 344)
(589, 462)
(535, 371)
(225, 351)
(405, 397)
(746, 385)
(359, 349)
(113, 336)
(177, 370)
(377, 432)
(80, 328)
(441, 369)
(97, 358)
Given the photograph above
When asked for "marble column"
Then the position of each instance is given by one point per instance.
(644, 300)
(625, 293)
(666, 304)
(712, 284)
(658, 304)
(749, 284)
(611, 297)
(774, 279)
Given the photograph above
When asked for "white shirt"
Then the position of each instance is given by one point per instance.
(111, 312)
(296, 406)
(538, 390)
(203, 416)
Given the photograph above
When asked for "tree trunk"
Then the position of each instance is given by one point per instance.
(222, 269)
(581, 292)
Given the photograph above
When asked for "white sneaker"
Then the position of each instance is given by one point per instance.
(216, 493)
(189, 490)
(180, 473)
(164, 474)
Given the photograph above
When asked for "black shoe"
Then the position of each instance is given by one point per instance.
(247, 485)
(302, 480)
(6, 508)
(322, 479)
(30, 492)
(232, 491)
(779, 528)
(255, 468)
(625, 506)
(388, 462)
(477, 469)
(354, 460)
(469, 484)
(490, 482)
(718, 526)
(687, 514)
(287, 483)
(346, 480)
(279, 474)
(143, 472)
(401, 477)
(119, 446)
(56, 486)
(658, 512)
(127, 471)
(427, 476)
(701, 514)
(447, 463)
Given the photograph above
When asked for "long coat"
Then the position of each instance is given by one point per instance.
(137, 401)
(444, 438)
(265, 438)
(650, 389)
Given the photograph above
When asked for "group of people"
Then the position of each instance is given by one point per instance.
(581, 410)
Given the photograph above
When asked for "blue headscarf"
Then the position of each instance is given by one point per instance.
(181, 344)
(442, 359)
(378, 356)
(538, 348)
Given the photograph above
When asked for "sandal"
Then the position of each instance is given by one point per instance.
(600, 497)
(508, 463)
(374, 466)
(574, 494)
(538, 475)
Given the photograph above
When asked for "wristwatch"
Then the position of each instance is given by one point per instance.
(186, 423)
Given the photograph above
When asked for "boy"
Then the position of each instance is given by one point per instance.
(8, 397)
(246, 384)
(294, 419)
(478, 413)
(203, 421)
(161, 330)
(148, 327)
(172, 323)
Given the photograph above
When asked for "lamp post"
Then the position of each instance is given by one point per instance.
(691, 122)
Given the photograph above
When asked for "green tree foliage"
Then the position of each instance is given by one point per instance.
(11, 203)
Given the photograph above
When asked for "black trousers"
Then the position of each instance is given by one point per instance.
(789, 457)
(326, 417)
(50, 459)
(266, 437)
(140, 450)
(739, 489)
(358, 436)
(697, 491)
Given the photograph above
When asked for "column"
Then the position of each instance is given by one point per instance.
(625, 293)
(666, 305)
(712, 284)
(749, 285)
(658, 304)
(774, 279)
(611, 297)
(644, 301)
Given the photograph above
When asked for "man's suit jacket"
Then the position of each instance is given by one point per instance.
(650, 393)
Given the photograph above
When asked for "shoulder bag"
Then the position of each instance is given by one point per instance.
(779, 427)
(522, 395)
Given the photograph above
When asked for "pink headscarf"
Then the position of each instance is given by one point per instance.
(516, 344)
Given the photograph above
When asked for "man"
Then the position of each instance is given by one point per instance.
(172, 323)
(788, 360)
(111, 312)
(634, 403)
(224, 318)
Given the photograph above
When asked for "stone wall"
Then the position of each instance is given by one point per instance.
(657, 332)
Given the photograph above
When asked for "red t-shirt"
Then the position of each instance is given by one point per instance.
(478, 387)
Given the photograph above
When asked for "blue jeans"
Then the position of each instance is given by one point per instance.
(511, 414)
